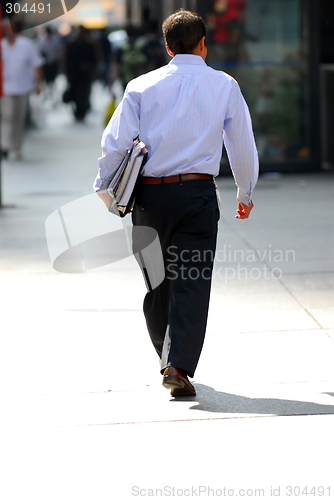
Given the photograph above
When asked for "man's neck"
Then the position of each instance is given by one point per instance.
(11, 39)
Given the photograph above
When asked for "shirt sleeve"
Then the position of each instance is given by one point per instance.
(240, 145)
(117, 139)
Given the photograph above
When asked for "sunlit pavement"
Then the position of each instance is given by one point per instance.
(84, 415)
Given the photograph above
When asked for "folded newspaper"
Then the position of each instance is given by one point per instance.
(122, 185)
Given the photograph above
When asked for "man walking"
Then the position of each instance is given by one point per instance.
(182, 112)
(80, 71)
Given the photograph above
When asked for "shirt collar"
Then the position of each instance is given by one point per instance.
(187, 59)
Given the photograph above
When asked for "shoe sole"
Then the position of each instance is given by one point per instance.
(177, 386)
(176, 393)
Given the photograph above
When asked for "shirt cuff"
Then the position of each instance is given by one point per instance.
(100, 185)
(244, 197)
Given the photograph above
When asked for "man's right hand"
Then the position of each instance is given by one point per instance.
(243, 210)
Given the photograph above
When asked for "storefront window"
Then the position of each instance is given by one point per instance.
(261, 44)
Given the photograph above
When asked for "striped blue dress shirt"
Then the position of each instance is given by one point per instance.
(183, 112)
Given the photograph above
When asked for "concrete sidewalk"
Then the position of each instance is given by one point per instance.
(84, 415)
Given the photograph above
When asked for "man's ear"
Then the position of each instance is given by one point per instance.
(169, 51)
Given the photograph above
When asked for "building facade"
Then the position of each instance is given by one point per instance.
(281, 52)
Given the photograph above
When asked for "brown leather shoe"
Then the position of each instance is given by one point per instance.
(177, 381)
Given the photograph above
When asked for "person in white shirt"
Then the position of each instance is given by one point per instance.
(182, 112)
(22, 74)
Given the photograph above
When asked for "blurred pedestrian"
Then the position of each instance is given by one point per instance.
(103, 53)
(154, 47)
(81, 70)
(51, 48)
(132, 60)
(22, 74)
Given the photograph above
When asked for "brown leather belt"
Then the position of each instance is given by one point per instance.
(174, 178)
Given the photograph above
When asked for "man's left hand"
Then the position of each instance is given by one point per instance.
(243, 210)
(105, 197)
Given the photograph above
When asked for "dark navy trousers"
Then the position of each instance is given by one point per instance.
(185, 215)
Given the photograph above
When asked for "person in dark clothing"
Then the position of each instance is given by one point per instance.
(154, 47)
(50, 47)
(103, 50)
(80, 71)
(131, 57)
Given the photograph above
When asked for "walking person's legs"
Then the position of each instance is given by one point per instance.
(156, 301)
(20, 114)
(193, 246)
(185, 217)
(7, 123)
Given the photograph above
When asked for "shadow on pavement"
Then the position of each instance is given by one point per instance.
(208, 399)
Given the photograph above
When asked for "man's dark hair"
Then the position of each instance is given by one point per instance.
(183, 31)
